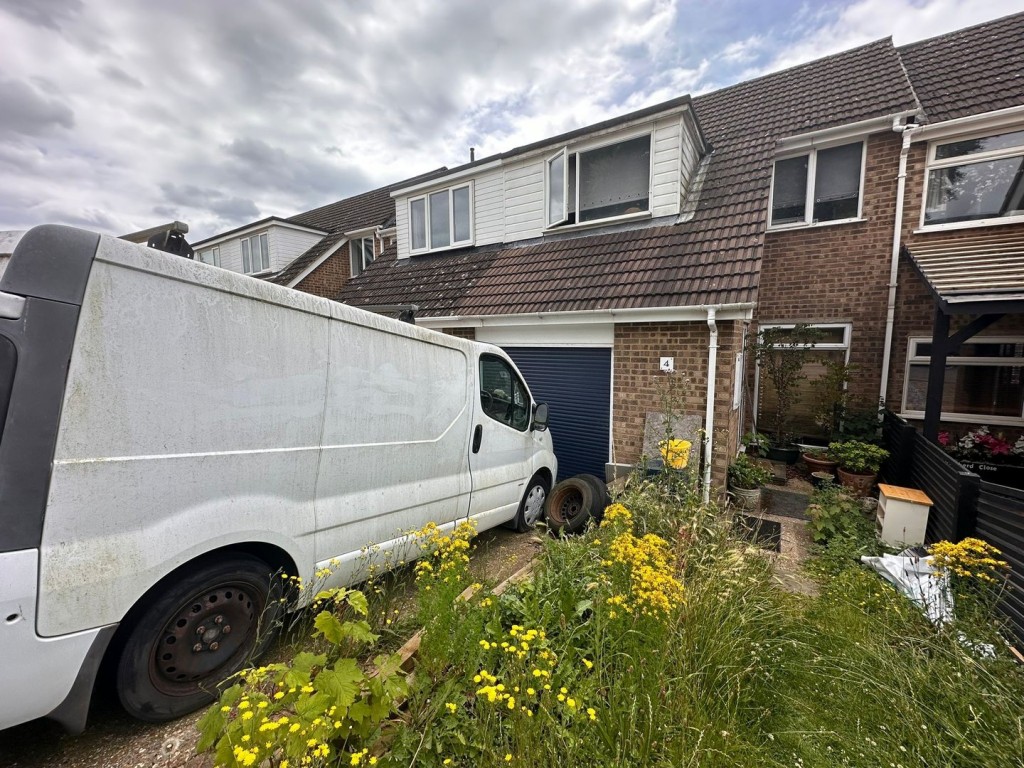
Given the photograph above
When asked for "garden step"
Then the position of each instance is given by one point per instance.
(785, 503)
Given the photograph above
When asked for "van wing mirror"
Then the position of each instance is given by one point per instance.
(540, 417)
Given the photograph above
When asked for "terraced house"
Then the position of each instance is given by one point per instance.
(875, 194)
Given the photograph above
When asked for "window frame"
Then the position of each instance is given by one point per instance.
(247, 241)
(425, 198)
(812, 167)
(582, 149)
(931, 164)
(986, 362)
(214, 256)
(363, 264)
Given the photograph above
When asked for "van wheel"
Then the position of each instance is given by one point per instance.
(531, 508)
(570, 505)
(203, 628)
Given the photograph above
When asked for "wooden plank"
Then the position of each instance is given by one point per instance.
(899, 493)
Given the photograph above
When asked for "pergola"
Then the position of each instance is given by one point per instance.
(982, 277)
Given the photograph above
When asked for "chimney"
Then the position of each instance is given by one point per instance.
(472, 154)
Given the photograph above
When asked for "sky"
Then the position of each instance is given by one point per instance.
(117, 116)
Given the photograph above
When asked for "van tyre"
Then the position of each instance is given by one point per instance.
(570, 505)
(205, 626)
(601, 497)
(531, 508)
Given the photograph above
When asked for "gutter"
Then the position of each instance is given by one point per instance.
(739, 311)
(709, 413)
(908, 132)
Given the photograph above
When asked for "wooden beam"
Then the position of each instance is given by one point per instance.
(973, 328)
(936, 375)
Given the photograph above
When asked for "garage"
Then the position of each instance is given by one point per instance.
(575, 382)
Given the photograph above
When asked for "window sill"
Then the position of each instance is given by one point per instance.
(926, 228)
(962, 418)
(642, 215)
(813, 225)
(425, 251)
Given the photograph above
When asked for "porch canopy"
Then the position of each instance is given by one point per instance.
(980, 276)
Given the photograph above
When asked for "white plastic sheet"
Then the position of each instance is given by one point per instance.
(912, 575)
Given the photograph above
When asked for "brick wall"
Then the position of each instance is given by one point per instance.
(328, 279)
(840, 273)
(638, 385)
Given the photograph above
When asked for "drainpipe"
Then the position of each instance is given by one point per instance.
(709, 414)
(894, 264)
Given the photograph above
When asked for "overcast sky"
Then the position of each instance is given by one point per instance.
(117, 116)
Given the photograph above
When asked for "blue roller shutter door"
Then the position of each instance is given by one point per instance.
(576, 385)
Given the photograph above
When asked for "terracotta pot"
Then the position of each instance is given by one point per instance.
(815, 464)
(747, 499)
(861, 485)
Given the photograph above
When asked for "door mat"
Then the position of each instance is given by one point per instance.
(766, 534)
(783, 503)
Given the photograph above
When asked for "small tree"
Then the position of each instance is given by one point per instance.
(781, 355)
(831, 397)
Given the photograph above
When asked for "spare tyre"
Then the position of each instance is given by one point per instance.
(601, 497)
(569, 505)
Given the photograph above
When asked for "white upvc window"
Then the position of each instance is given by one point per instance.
(821, 186)
(984, 381)
(974, 180)
(598, 184)
(441, 220)
(210, 256)
(360, 251)
(255, 254)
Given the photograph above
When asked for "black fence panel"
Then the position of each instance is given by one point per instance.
(898, 437)
(1000, 522)
(953, 491)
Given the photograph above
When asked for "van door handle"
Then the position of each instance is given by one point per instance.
(478, 434)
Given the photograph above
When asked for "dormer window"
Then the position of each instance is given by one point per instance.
(210, 256)
(817, 187)
(360, 251)
(441, 220)
(255, 254)
(594, 185)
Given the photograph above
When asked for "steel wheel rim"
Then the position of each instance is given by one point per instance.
(534, 506)
(566, 505)
(206, 639)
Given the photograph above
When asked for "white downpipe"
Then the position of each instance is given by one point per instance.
(894, 264)
(709, 414)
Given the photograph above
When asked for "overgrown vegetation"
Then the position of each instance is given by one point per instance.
(656, 639)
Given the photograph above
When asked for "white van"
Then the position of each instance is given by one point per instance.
(173, 433)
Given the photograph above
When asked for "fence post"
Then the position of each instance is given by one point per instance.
(968, 490)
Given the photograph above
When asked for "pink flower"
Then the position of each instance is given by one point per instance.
(943, 439)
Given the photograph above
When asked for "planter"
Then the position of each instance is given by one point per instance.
(747, 498)
(819, 464)
(786, 453)
(821, 479)
(1000, 474)
(861, 485)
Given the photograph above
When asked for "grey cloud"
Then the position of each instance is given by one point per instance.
(257, 163)
(43, 13)
(229, 208)
(119, 75)
(28, 112)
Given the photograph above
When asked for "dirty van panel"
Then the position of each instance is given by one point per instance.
(396, 430)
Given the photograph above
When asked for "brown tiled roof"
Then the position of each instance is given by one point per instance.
(712, 259)
(369, 209)
(973, 70)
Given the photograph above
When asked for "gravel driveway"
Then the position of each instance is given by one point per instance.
(114, 740)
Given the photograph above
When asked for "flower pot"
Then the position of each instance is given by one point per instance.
(821, 479)
(747, 498)
(819, 464)
(861, 485)
(786, 453)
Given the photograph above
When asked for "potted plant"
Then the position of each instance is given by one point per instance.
(781, 354)
(746, 477)
(995, 458)
(859, 463)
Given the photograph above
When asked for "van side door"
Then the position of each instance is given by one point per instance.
(502, 445)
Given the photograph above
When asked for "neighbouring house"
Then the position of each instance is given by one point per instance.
(868, 193)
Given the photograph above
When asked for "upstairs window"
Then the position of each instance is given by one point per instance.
(210, 256)
(819, 186)
(360, 252)
(442, 219)
(975, 179)
(255, 254)
(598, 184)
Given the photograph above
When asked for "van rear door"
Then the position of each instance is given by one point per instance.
(502, 446)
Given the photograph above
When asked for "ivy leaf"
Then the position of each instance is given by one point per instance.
(358, 602)
(313, 705)
(342, 683)
(358, 631)
(302, 668)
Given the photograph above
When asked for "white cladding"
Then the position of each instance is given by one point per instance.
(284, 245)
(509, 201)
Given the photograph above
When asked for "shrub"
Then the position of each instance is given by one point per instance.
(858, 457)
(834, 513)
(746, 474)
